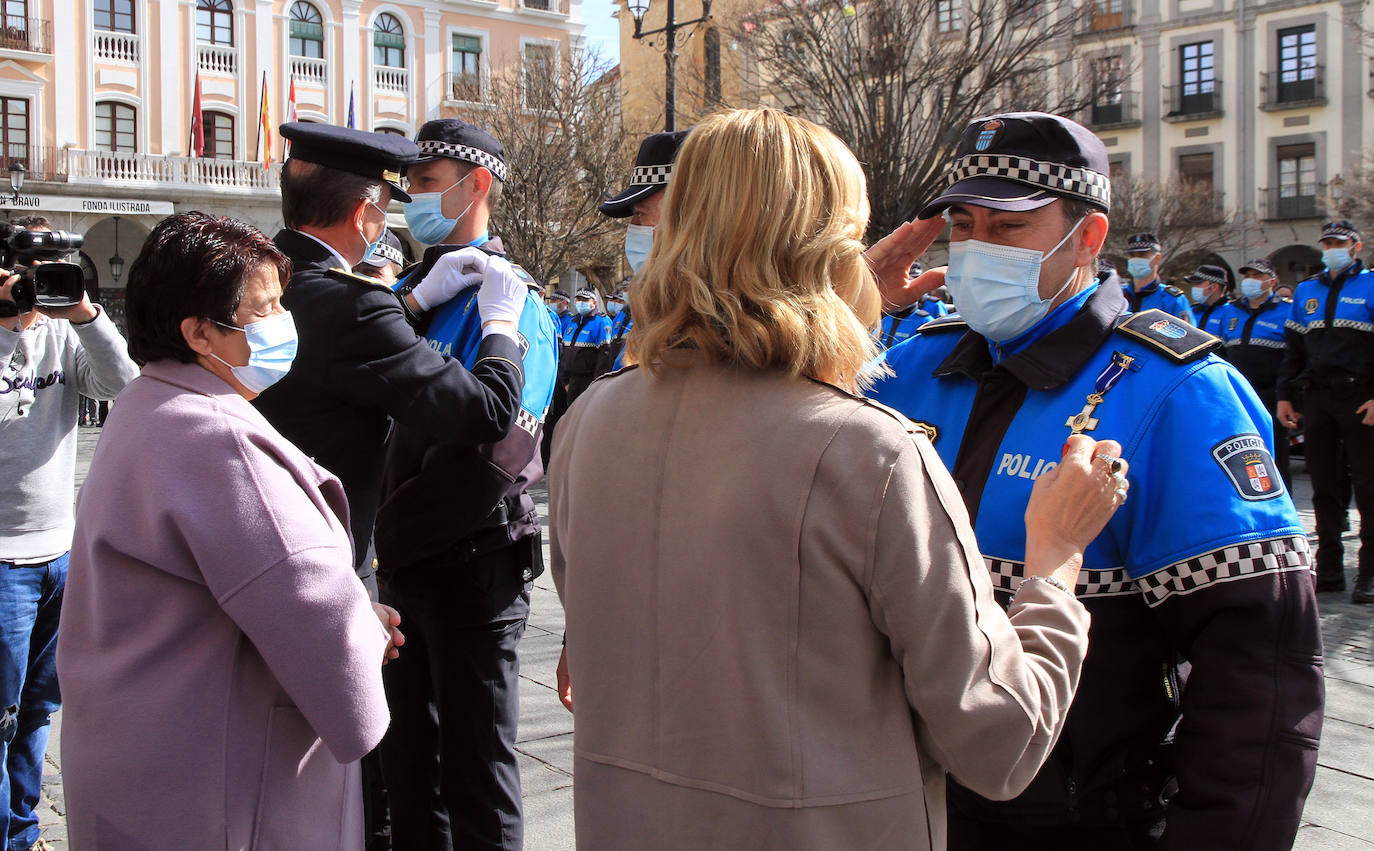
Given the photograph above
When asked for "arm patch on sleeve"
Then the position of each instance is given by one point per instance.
(1247, 463)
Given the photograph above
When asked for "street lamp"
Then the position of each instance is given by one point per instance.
(639, 8)
(116, 262)
(16, 180)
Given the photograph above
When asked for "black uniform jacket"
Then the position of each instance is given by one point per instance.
(1258, 359)
(1333, 348)
(359, 364)
(454, 496)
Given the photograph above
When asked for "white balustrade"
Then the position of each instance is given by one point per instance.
(116, 47)
(309, 70)
(181, 172)
(391, 80)
(216, 59)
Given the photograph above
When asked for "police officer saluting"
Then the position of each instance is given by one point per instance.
(1144, 254)
(1253, 328)
(1329, 367)
(1211, 291)
(1040, 350)
(360, 363)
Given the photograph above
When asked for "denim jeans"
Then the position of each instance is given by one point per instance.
(30, 603)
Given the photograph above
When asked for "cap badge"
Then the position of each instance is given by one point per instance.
(985, 136)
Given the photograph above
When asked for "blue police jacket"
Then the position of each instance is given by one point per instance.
(439, 495)
(899, 325)
(1254, 341)
(1207, 560)
(1157, 296)
(1330, 332)
(621, 325)
(1208, 316)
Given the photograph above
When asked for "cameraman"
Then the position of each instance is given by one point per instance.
(48, 358)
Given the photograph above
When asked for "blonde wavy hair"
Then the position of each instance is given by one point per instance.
(758, 257)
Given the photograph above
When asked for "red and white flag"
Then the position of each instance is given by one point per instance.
(197, 145)
(290, 116)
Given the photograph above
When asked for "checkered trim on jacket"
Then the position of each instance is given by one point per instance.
(651, 175)
(1008, 575)
(1238, 561)
(526, 421)
(1070, 180)
(436, 148)
(1262, 342)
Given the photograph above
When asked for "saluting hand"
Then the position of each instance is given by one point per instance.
(891, 257)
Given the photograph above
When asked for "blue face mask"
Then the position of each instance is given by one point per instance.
(1336, 259)
(639, 240)
(614, 308)
(372, 246)
(997, 287)
(1198, 295)
(1251, 287)
(1138, 268)
(271, 349)
(425, 215)
(584, 307)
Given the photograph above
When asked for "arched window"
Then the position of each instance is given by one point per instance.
(388, 42)
(219, 135)
(215, 22)
(306, 30)
(114, 127)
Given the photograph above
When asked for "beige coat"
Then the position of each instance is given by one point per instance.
(779, 628)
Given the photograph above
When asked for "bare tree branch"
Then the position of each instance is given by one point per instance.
(1188, 218)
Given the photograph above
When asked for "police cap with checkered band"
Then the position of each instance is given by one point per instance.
(1208, 274)
(1020, 161)
(456, 139)
(1340, 229)
(380, 156)
(653, 167)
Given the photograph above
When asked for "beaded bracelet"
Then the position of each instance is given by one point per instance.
(1054, 581)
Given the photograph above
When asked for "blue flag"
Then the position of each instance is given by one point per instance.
(350, 105)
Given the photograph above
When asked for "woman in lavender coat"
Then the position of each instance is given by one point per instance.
(220, 661)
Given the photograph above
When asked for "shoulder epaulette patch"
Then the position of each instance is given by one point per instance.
(1168, 334)
(345, 275)
(1171, 290)
(953, 322)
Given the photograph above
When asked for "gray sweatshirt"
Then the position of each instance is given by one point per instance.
(43, 372)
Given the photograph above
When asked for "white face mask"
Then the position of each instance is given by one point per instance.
(997, 287)
(639, 240)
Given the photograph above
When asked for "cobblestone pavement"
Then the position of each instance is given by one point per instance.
(1339, 814)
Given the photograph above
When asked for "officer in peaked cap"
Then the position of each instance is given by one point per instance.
(1147, 290)
(1326, 382)
(1211, 291)
(642, 201)
(1040, 350)
(458, 540)
(1252, 327)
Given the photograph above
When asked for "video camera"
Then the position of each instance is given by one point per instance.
(44, 279)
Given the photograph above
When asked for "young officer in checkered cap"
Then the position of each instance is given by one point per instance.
(642, 200)
(1211, 291)
(1041, 349)
(458, 538)
(1327, 383)
(1252, 327)
(1147, 291)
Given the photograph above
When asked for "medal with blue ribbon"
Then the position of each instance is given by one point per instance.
(1084, 420)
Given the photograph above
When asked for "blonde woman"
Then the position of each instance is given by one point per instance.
(796, 638)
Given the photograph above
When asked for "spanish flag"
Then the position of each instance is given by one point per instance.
(265, 122)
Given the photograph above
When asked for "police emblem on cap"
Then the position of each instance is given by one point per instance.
(988, 133)
(1247, 463)
(1310, 305)
(1169, 329)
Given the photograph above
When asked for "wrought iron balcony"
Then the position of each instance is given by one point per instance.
(30, 34)
(1192, 101)
(1293, 88)
(1293, 202)
(1097, 17)
(40, 163)
(1121, 111)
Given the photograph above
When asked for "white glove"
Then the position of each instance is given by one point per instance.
(502, 296)
(451, 274)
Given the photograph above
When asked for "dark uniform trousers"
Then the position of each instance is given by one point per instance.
(454, 695)
(1334, 436)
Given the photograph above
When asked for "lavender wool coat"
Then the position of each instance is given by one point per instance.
(220, 663)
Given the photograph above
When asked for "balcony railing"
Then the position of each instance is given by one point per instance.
(391, 80)
(96, 166)
(559, 6)
(31, 34)
(216, 59)
(1123, 112)
(464, 87)
(1293, 88)
(1293, 202)
(39, 163)
(116, 47)
(1192, 101)
(309, 70)
(1095, 18)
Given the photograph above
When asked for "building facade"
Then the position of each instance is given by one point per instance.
(97, 97)
(1270, 103)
